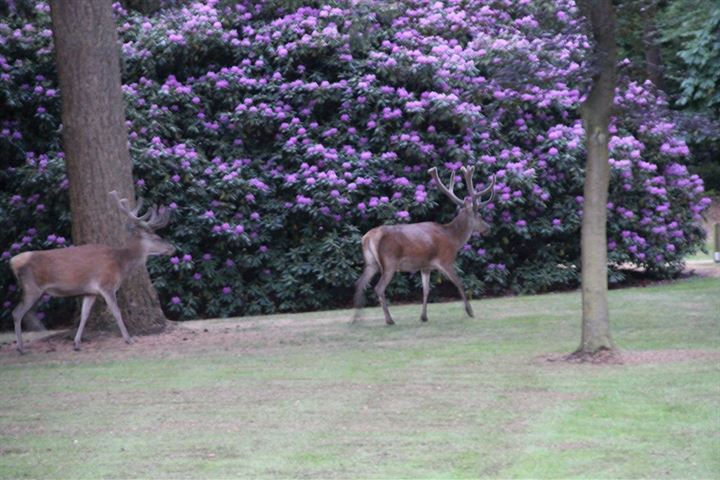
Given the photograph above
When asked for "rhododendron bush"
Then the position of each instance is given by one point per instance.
(279, 136)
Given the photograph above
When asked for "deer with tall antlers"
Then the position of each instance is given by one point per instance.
(90, 270)
(423, 247)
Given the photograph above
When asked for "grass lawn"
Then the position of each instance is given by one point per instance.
(312, 396)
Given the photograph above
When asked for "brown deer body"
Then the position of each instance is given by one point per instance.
(422, 247)
(88, 270)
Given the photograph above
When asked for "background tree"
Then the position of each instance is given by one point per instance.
(651, 46)
(596, 112)
(691, 42)
(95, 143)
(676, 45)
(143, 6)
(639, 38)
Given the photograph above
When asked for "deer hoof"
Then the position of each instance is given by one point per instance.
(469, 311)
(21, 351)
(390, 321)
(129, 340)
(76, 347)
(423, 318)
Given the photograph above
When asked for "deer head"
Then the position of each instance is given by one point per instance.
(143, 227)
(472, 203)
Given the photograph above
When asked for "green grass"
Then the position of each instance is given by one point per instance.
(310, 395)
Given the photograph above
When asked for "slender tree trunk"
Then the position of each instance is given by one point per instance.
(95, 143)
(596, 113)
(653, 58)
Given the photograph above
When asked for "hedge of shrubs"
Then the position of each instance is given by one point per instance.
(280, 135)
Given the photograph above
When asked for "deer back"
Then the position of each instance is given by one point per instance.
(410, 247)
(69, 271)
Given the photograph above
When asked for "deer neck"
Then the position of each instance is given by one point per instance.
(460, 228)
(132, 254)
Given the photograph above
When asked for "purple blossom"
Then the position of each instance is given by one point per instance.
(303, 200)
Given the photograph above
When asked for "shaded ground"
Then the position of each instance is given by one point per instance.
(312, 396)
(264, 335)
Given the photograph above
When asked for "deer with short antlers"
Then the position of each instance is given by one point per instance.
(90, 270)
(423, 247)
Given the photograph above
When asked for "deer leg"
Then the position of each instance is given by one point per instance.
(425, 274)
(382, 284)
(30, 298)
(359, 299)
(32, 322)
(88, 301)
(452, 276)
(115, 310)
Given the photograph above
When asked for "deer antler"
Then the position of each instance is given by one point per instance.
(151, 220)
(123, 203)
(159, 217)
(490, 188)
(468, 173)
(447, 191)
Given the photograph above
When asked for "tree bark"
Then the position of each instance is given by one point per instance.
(596, 112)
(95, 143)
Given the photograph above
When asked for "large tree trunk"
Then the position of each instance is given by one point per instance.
(596, 111)
(95, 143)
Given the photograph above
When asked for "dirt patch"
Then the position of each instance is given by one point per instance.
(668, 356)
(181, 338)
(644, 357)
(562, 447)
(602, 357)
